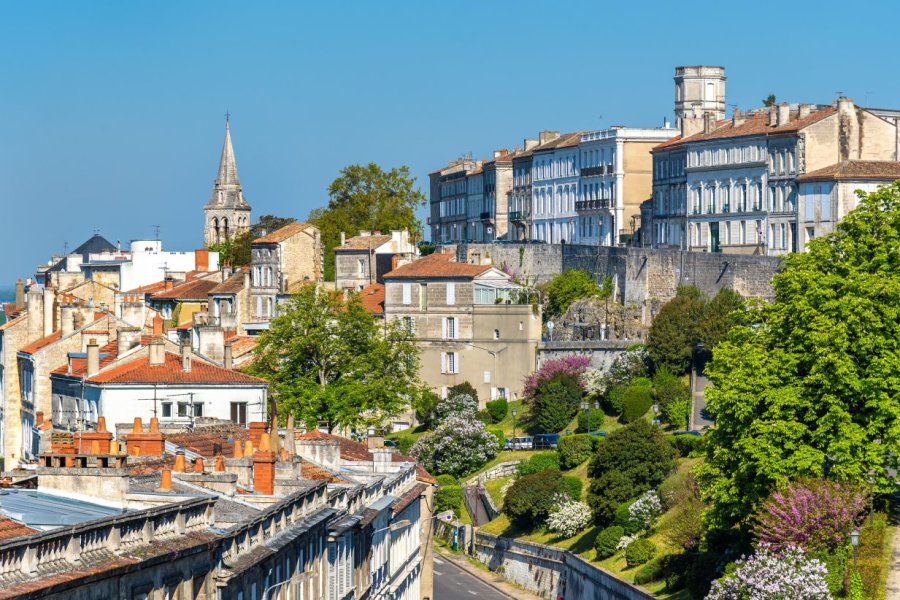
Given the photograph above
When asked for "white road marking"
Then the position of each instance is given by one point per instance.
(436, 572)
(471, 592)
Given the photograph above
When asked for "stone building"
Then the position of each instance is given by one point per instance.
(448, 200)
(281, 262)
(554, 187)
(65, 271)
(519, 205)
(498, 182)
(825, 196)
(227, 213)
(471, 322)
(364, 259)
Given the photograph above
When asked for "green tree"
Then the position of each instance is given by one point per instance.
(234, 252)
(555, 403)
(329, 362)
(569, 286)
(676, 330)
(814, 374)
(673, 397)
(719, 316)
(463, 388)
(366, 197)
(769, 100)
(269, 223)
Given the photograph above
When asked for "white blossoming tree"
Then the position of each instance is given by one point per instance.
(646, 509)
(459, 446)
(768, 575)
(570, 517)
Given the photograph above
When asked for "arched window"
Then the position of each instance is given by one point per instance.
(215, 224)
(225, 228)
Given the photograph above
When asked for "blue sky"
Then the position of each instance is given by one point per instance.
(111, 114)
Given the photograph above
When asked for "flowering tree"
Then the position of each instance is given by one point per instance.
(573, 365)
(814, 514)
(461, 405)
(774, 575)
(594, 382)
(569, 517)
(459, 446)
(646, 509)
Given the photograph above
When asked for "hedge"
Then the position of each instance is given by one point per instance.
(574, 450)
(572, 486)
(636, 402)
(448, 498)
(539, 461)
(638, 552)
(607, 540)
(497, 409)
(446, 480)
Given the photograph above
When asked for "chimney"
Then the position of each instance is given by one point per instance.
(220, 464)
(290, 444)
(49, 297)
(39, 418)
(168, 283)
(66, 320)
(804, 111)
(248, 448)
(35, 313)
(784, 114)
(247, 279)
(201, 260)
(198, 465)
(149, 443)
(113, 447)
(264, 468)
(773, 116)
(20, 294)
(375, 441)
(211, 341)
(128, 338)
(529, 144)
(709, 122)
(737, 118)
(165, 482)
(157, 352)
(228, 360)
(238, 451)
(343, 238)
(845, 106)
(186, 357)
(157, 324)
(382, 459)
(93, 357)
(547, 136)
(179, 461)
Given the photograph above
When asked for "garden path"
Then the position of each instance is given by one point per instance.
(893, 578)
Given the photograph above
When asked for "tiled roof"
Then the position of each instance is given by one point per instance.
(566, 140)
(21, 319)
(437, 265)
(108, 354)
(359, 451)
(372, 298)
(198, 289)
(208, 443)
(876, 170)
(408, 498)
(41, 343)
(140, 371)
(279, 235)
(12, 529)
(232, 285)
(364, 242)
(242, 344)
(10, 310)
(311, 471)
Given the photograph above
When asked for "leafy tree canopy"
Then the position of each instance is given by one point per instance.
(330, 362)
(769, 100)
(235, 252)
(366, 197)
(569, 286)
(814, 374)
(269, 223)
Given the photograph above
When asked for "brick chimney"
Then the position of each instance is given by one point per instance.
(257, 431)
(157, 324)
(93, 357)
(93, 442)
(157, 353)
(146, 443)
(20, 294)
(264, 468)
(201, 260)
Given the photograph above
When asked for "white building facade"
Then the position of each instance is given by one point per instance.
(554, 189)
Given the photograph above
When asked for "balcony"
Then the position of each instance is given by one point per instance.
(518, 216)
(593, 171)
(596, 204)
(487, 217)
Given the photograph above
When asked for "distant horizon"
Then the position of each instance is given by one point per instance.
(115, 114)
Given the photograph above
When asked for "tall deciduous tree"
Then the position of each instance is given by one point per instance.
(366, 197)
(676, 329)
(569, 286)
(814, 375)
(330, 362)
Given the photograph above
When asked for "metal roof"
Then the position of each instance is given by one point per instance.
(47, 511)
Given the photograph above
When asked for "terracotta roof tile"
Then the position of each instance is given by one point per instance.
(279, 235)
(408, 498)
(437, 265)
(353, 450)
(232, 285)
(372, 298)
(12, 529)
(364, 242)
(41, 343)
(108, 354)
(875, 170)
(198, 289)
(140, 371)
(242, 344)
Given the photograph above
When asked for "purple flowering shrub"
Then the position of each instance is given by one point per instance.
(770, 574)
(813, 514)
(574, 365)
(458, 446)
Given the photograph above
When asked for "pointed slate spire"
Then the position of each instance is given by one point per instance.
(228, 174)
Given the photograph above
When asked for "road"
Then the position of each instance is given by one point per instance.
(452, 583)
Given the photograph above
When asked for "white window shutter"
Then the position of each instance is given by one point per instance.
(487, 377)
(444, 328)
(407, 293)
(451, 293)
(493, 392)
(443, 362)
(456, 362)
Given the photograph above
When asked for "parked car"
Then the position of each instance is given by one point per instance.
(691, 432)
(599, 433)
(546, 441)
(520, 443)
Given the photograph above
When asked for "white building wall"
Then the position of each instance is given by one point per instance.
(553, 195)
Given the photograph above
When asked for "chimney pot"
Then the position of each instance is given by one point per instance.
(154, 425)
(39, 417)
(198, 465)
(165, 483)
(179, 462)
(248, 448)
(101, 424)
(238, 453)
(220, 463)
(138, 426)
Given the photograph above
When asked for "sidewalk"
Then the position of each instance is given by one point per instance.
(488, 577)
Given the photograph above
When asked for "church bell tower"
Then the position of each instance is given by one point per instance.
(227, 212)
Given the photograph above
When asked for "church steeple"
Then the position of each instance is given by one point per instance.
(227, 213)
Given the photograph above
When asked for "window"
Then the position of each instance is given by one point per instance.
(409, 324)
(451, 293)
(496, 334)
(407, 293)
(423, 296)
(825, 204)
(239, 413)
(361, 267)
(810, 234)
(450, 328)
(521, 325)
(167, 409)
(449, 362)
(184, 409)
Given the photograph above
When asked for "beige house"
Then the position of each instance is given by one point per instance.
(472, 323)
(281, 262)
(365, 258)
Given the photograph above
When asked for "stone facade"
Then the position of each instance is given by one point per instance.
(227, 213)
(364, 259)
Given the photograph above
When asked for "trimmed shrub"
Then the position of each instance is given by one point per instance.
(574, 450)
(638, 552)
(497, 409)
(614, 399)
(636, 401)
(624, 519)
(497, 433)
(555, 402)
(685, 444)
(464, 388)
(652, 571)
(446, 480)
(572, 486)
(531, 498)
(539, 461)
(484, 416)
(597, 418)
(607, 540)
(448, 498)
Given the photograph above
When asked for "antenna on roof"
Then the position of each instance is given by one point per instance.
(65, 248)
(157, 232)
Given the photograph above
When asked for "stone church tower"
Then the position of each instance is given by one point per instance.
(227, 213)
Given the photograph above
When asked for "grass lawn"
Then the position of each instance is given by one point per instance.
(493, 487)
(507, 423)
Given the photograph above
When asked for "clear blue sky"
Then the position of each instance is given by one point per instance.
(111, 114)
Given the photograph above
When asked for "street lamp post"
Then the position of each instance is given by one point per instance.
(514, 413)
(854, 541)
(586, 406)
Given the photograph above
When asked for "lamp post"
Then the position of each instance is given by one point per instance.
(854, 541)
(586, 406)
(871, 498)
(514, 413)
(550, 326)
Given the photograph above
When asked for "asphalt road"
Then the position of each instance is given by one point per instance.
(452, 583)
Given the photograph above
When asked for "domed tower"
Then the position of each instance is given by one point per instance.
(699, 90)
(227, 213)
